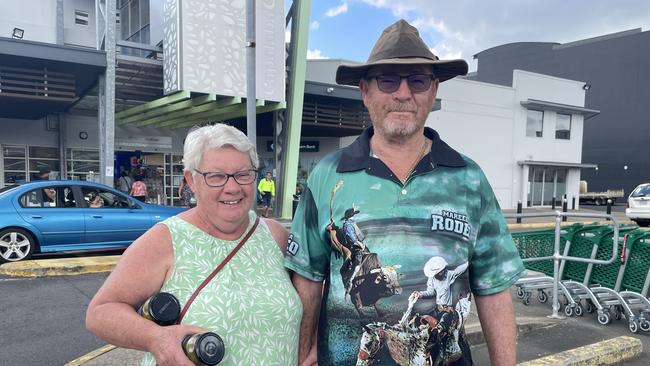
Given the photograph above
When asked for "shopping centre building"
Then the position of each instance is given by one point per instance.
(68, 100)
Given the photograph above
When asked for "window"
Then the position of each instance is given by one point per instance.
(82, 164)
(15, 164)
(43, 162)
(563, 127)
(80, 17)
(101, 198)
(61, 196)
(534, 123)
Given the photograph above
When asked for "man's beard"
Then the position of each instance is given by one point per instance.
(398, 128)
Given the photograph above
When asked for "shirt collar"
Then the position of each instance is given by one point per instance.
(356, 156)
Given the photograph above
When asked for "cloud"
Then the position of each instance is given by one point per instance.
(314, 25)
(287, 36)
(337, 10)
(315, 55)
(466, 27)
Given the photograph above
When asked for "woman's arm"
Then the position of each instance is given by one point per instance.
(139, 274)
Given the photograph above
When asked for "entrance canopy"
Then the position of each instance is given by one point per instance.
(186, 109)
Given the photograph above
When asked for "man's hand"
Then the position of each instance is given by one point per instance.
(310, 293)
(312, 357)
(416, 294)
(167, 345)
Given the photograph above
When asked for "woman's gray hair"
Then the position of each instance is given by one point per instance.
(216, 136)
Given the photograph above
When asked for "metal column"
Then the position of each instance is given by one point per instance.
(106, 13)
(295, 99)
(251, 97)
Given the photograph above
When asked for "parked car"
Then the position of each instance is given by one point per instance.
(638, 205)
(53, 216)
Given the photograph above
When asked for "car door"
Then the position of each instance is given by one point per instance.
(55, 216)
(114, 219)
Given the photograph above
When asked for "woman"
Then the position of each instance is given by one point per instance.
(139, 189)
(95, 200)
(251, 303)
(186, 194)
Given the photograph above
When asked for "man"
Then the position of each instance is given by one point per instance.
(267, 191)
(421, 199)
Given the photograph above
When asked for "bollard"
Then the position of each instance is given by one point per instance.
(553, 203)
(564, 208)
(609, 208)
(519, 211)
(573, 203)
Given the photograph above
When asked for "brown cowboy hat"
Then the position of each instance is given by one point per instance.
(400, 44)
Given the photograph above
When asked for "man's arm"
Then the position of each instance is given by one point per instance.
(310, 293)
(497, 317)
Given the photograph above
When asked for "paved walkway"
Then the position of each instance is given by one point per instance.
(533, 319)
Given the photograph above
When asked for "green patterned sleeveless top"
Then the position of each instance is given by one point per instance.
(250, 303)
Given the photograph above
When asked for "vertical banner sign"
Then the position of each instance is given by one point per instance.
(205, 47)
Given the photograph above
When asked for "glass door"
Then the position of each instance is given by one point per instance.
(545, 183)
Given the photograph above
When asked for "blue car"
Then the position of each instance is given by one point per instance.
(67, 215)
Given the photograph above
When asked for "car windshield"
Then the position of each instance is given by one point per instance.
(641, 191)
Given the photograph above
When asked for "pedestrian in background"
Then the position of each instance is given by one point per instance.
(186, 194)
(267, 191)
(124, 183)
(139, 189)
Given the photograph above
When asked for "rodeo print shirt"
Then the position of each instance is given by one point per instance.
(401, 261)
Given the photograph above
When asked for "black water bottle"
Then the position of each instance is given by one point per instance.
(204, 349)
(162, 308)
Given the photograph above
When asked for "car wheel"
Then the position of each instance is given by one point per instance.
(16, 245)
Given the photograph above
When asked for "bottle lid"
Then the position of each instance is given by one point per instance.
(210, 348)
(164, 308)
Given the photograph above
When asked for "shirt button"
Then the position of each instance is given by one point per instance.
(404, 191)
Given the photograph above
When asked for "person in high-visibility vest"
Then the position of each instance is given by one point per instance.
(267, 191)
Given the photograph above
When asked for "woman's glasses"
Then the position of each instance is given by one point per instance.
(219, 179)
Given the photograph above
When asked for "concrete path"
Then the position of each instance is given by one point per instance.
(533, 319)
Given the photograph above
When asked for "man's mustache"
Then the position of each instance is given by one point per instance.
(401, 107)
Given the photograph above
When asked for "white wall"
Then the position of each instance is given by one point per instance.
(30, 132)
(36, 17)
(324, 71)
(477, 119)
(528, 85)
(75, 34)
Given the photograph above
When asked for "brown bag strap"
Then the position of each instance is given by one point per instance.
(216, 270)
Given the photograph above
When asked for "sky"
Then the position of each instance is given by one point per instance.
(348, 29)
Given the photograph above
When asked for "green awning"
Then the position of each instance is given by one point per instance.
(185, 109)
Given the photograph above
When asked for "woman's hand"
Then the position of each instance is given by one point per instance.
(167, 348)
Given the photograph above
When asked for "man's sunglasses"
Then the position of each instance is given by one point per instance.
(389, 83)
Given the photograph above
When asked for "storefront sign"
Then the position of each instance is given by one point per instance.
(143, 142)
(305, 146)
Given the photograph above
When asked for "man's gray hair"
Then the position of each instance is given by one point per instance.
(216, 136)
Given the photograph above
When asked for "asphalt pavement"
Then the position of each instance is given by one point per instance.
(539, 335)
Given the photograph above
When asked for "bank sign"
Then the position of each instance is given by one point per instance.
(305, 146)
